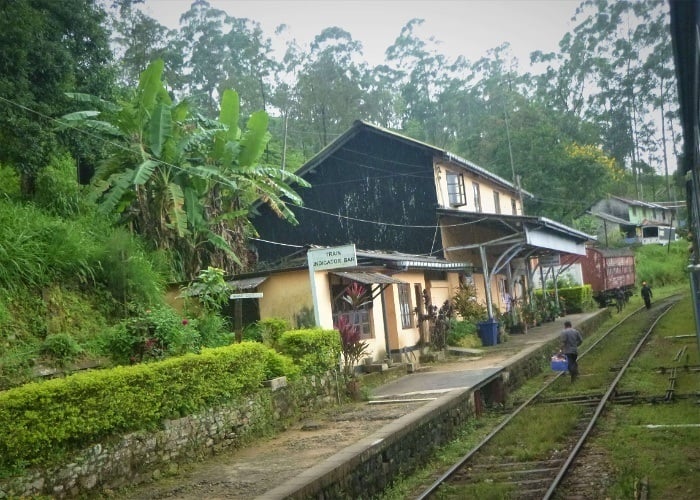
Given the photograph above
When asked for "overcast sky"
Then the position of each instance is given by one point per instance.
(465, 27)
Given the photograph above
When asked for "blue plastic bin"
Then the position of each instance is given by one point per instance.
(488, 332)
(559, 363)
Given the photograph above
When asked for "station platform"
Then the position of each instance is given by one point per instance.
(355, 450)
(437, 384)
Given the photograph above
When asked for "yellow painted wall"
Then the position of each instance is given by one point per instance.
(284, 295)
(497, 300)
(486, 190)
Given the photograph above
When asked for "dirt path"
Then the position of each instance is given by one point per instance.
(251, 471)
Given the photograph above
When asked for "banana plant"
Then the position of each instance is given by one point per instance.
(184, 183)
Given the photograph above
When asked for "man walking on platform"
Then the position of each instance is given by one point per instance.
(571, 338)
(646, 294)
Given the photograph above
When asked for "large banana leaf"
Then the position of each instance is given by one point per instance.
(176, 211)
(144, 172)
(229, 114)
(161, 127)
(93, 100)
(193, 208)
(150, 85)
(254, 139)
(120, 188)
(227, 128)
(79, 116)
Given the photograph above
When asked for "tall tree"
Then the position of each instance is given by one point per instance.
(48, 48)
(226, 52)
(421, 76)
(329, 86)
(140, 39)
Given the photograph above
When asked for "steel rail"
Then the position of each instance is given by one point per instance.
(596, 414)
(427, 493)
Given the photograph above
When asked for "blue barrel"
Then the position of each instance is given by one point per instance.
(488, 332)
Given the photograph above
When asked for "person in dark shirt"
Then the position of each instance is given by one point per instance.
(620, 299)
(571, 338)
(646, 294)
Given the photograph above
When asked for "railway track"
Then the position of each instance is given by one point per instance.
(565, 466)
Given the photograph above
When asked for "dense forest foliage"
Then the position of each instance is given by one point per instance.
(597, 117)
(130, 154)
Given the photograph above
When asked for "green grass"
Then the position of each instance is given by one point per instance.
(667, 457)
(524, 441)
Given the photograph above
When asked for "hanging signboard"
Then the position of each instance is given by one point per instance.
(332, 258)
(549, 260)
(249, 295)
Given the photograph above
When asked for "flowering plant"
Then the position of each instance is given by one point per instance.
(353, 347)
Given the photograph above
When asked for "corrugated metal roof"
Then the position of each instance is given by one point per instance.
(612, 218)
(367, 278)
(195, 289)
(413, 261)
(246, 284)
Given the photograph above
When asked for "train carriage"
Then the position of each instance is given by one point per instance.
(606, 270)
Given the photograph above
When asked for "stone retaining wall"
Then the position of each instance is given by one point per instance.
(142, 456)
(365, 471)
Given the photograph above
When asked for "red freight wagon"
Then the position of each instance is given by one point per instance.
(607, 269)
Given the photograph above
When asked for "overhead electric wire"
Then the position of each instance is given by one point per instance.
(550, 201)
(378, 223)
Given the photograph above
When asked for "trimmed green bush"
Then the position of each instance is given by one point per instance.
(577, 299)
(271, 329)
(279, 365)
(44, 421)
(315, 350)
(462, 334)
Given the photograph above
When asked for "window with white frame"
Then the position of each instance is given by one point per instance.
(514, 206)
(405, 305)
(477, 196)
(497, 201)
(455, 189)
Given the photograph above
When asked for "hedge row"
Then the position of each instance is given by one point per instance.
(43, 421)
(577, 299)
(314, 350)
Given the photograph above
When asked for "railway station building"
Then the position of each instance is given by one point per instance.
(422, 222)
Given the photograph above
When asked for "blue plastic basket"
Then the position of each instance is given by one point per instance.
(559, 363)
